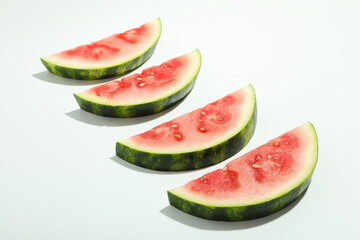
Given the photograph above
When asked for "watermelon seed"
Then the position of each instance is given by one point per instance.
(277, 144)
(276, 156)
(269, 157)
(277, 164)
(142, 84)
(220, 118)
(152, 73)
(202, 129)
(256, 166)
(138, 78)
(203, 178)
(200, 120)
(178, 136)
(203, 113)
(258, 158)
(174, 126)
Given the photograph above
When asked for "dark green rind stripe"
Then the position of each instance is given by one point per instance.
(238, 213)
(137, 110)
(189, 160)
(99, 73)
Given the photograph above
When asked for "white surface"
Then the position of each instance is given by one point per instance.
(59, 178)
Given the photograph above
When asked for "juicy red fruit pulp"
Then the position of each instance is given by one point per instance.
(268, 164)
(214, 182)
(165, 129)
(132, 35)
(92, 50)
(207, 118)
(100, 50)
(274, 159)
(153, 77)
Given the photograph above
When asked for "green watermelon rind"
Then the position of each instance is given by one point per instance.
(244, 212)
(106, 71)
(224, 149)
(139, 109)
(238, 213)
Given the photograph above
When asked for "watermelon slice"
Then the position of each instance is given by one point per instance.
(197, 139)
(111, 56)
(155, 89)
(256, 184)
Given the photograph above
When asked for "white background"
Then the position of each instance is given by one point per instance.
(59, 176)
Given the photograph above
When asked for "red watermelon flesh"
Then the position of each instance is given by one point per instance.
(260, 175)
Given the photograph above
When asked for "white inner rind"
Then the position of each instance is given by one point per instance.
(246, 111)
(183, 78)
(308, 155)
(132, 52)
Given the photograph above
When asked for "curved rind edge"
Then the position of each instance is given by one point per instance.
(238, 213)
(136, 110)
(190, 160)
(105, 72)
(317, 145)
